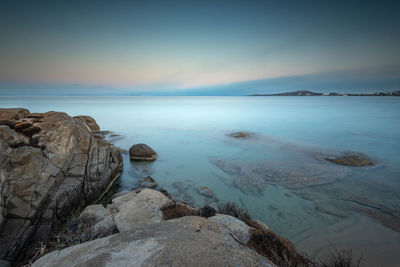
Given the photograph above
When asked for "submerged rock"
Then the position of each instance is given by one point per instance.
(182, 187)
(147, 182)
(46, 174)
(352, 159)
(240, 134)
(205, 191)
(142, 152)
(252, 178)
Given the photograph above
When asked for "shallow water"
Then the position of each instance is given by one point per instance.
(276, 174)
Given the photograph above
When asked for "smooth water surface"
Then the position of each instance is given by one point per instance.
(278, 174)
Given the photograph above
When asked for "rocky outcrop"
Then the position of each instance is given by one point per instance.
(50, 165)
(186, 241)
(142, 152)
(145, 239)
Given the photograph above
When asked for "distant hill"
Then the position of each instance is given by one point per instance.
(309, 93)
(295, 93)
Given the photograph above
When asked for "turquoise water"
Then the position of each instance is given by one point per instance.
(277, 174)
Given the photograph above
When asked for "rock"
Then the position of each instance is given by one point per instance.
(90, 123)
(22, 125)
(147, 182)
(35, 115)
(13, 113)
(101, 219)
(137, 210)
(205, 191)
(240, 134)
(234, 226)
(142, 152)
(186, 241)
(352, 159)
(30, 131)
(47, 174)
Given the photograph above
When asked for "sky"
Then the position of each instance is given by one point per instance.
(198, 47)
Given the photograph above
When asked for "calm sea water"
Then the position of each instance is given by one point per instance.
(277, 174)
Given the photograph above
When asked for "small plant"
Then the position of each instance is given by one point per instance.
(233, 210)
(207, 211)
(76, 231)
(277, 249)
(175, 210)
(341, 258)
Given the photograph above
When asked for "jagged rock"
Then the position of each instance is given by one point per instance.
(142, 152)
(351, 159)
(205, 191)
(186, 241)
(147, 182)
(43, 178)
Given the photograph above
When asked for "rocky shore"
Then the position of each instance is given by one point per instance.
(150, 229)
(51, 165)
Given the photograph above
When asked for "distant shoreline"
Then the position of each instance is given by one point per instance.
(309, 93)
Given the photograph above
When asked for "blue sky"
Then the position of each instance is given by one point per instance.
(203, 48)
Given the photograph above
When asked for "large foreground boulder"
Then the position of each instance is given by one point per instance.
(186, 241)
(50, 165)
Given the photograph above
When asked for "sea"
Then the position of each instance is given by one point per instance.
(279, 174)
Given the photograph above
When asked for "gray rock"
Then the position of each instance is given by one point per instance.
(142, 152)
(186, 241)
(234, 226)
(44, 177)
(138, 210)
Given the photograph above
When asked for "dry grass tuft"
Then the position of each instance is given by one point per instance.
(277, 249)
(175, 210)
(233, 210)
(341, 258)
(76, 231)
